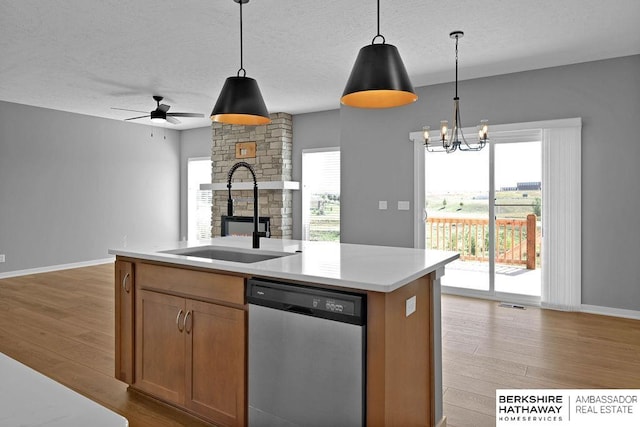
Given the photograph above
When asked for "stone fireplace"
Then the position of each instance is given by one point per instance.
(272, 165)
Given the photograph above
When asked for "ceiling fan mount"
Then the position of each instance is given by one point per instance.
(160, 114)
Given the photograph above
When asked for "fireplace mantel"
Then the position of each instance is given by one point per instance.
(262, 185)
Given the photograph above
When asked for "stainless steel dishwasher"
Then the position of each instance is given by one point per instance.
(306, 356)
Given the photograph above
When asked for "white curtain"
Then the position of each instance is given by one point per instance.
(561, 204)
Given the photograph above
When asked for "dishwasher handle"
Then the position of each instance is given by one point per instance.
(296, 309)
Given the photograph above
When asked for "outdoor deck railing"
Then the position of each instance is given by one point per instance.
(515, 239)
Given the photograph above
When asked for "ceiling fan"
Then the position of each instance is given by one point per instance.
(160, 115)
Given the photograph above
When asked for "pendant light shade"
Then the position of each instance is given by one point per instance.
(240, 103)
(378, 79)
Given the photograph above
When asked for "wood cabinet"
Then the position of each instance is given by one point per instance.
(191, 353)
(181, 337)
(160, 347)
(216, 362)
(124, 306)
(189, 340)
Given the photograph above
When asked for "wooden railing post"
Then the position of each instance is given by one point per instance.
(531, 242)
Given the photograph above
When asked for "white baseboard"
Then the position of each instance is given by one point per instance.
(609, 311)
(585, 308)
(527, 300)
(58, 267)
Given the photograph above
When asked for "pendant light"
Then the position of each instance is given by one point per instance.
(240, 101)
(378, 78)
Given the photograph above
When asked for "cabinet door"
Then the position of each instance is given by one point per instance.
(216, 362)
(160, 345)
(124, 298)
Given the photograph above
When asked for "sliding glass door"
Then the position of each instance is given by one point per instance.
(457, 215)
(487, 206)
(518, 217)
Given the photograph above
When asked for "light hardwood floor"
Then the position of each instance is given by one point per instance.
(487, 347)
(62, 324)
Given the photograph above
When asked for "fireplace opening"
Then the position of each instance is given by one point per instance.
(243, 225)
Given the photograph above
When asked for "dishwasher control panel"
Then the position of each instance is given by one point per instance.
(302, 299)
(330, 304)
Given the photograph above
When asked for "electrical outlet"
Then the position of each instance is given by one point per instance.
(403, 205)
(382, 205)
(2, 258)
(410, 306)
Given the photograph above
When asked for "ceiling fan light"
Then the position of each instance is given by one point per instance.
(378, 79)
(240, 103)
(158, 116)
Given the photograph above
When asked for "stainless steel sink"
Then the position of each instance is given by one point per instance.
(228, 254)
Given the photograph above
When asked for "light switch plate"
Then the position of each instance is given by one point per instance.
(382, 205)
(2, 258)
(403, 205)
(410, 306)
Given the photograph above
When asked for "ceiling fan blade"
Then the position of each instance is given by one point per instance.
(172, 120)
(185, 114)
(164, 107)
(126, 109)
(140, 117)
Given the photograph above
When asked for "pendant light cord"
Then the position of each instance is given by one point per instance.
(241, 50)
(378, 35)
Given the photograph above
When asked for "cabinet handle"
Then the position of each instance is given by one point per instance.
(124, 283)
(178, 321)
(186, 317)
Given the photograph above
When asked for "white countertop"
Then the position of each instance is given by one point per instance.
(30, 399)
(361, 267)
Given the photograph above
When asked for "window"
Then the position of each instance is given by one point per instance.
(198, 201)
(321, 194)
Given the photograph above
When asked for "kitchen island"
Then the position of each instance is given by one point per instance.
(181, 322)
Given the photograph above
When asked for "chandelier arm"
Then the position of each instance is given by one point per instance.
(459, 123)
(454, 123)
(433, 148)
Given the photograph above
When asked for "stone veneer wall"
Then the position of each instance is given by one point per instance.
(272, 163)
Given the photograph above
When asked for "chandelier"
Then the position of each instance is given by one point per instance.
(453, 139)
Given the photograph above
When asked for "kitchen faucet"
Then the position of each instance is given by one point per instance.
(256, 234)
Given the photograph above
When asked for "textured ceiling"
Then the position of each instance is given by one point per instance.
(87, 56)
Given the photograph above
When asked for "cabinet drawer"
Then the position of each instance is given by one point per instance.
(191, 283)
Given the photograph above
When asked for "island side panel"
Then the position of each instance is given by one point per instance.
(400, 371)
(436, 345)
(124, 312)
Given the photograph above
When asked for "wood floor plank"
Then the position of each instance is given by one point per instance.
(459, 416)
(472, 401)
(62, 325)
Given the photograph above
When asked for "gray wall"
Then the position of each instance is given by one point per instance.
(72, 186)
(377, 160)
(193, 143)
(312, 130)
